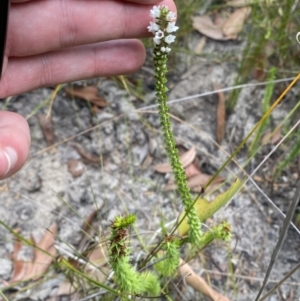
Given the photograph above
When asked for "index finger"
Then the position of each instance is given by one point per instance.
(135, 1)
(62, 24)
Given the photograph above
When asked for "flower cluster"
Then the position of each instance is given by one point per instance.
(162, 26)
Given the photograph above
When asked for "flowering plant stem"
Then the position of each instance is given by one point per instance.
(162, 26)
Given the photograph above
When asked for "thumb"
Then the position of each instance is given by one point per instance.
(14, 143)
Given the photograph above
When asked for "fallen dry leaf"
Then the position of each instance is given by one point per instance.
(186, 159)
(96, 254)
(234, 24)
(221, 115)
(271, 137)
(47, 126)
(97, 267)
(85, 155)
(207, 27)
(65, 288)
(222, 29)
(198, 283)
(42, 260)
(89, 93)
(192, 170)
(75, 168)
(43, 257)
(20, 266)
(197, 182)
(147, 162)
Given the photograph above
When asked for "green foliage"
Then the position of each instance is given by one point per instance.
(129, 281)
(270, 42)
(150, 283)
(266, 103)
(290, 154)
(219, 232)
(123, 222)
(185, 9)
(169, 262)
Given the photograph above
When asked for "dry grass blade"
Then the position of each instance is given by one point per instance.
(97, 267)
(89, 93)
(234, 24)
(42, 260)
(186, 159)
(96, 253)
(280, 282)
(281, 239)
(221, 115)
(198, 283)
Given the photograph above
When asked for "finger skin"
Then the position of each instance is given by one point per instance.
(136, 1)
(59, 24)
(14, 134)
(102, 59)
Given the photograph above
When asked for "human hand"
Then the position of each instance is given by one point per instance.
(51, 42)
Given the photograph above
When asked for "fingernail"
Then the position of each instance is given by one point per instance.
(11, 157)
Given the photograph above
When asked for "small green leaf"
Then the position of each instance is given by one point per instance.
(205, 209)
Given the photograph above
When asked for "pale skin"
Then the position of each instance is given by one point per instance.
(57, 41)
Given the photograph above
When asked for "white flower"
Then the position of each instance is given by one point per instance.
(168, 49)
(155, 12)
(169, 39)
(171, 16)
(156, 41)
(298, 37)
(159, 34)
(163, 49)
(153, 27)
(171, 27)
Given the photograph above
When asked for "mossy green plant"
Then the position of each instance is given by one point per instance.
(169, 257)
(128, 279)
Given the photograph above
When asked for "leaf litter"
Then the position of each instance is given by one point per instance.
(221, 28)
(89, 93)
(186, 159)
(47, 126)
(196, 179)
(44, 254)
